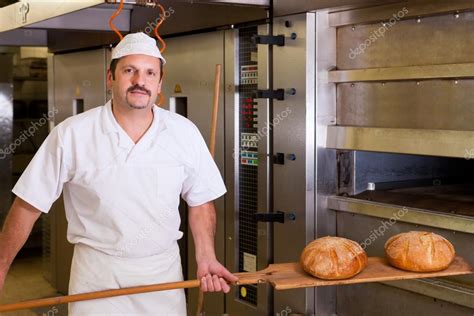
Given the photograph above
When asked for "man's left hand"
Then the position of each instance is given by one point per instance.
(214, 276)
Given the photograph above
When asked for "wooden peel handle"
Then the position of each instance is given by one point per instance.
(215, 110)
(99, 294)
(212, 149)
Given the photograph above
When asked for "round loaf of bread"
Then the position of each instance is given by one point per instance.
(333, 258)
(419, 252)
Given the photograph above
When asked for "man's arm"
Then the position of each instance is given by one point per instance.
(17, 228)
(213, 275)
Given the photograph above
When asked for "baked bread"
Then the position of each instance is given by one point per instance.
(419, 251)
(333, 258)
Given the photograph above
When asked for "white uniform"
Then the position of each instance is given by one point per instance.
(121, 202)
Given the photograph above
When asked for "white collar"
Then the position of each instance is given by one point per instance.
(110, 125)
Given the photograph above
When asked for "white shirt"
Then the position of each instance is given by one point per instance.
(122, 198)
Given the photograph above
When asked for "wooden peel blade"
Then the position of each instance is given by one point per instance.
(285, 276)
(282, 276)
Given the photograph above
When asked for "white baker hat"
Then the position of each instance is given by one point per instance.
(137, 43)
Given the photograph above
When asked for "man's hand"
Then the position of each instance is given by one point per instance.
(214, 276)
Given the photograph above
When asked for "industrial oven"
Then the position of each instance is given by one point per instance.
(402, 137)
(356, 124)
(371, 136)
(351, 119)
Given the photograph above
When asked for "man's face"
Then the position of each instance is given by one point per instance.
(137, 81)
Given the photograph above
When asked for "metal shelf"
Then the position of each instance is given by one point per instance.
(442, 143)
(455, 71)
(18, 78)
(262, 3)
(386, 12)
(460, 223)
(439, 289)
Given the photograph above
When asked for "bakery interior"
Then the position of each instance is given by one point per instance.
(347, 118)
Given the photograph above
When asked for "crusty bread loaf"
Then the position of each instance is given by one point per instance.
(333, 258)
(419, 251)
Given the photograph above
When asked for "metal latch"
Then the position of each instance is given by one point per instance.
(279, 159)
(278, 94)
(278, 217)
(278, 40)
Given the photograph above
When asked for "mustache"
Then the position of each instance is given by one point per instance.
(138, 88)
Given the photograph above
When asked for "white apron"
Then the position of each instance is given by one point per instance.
(93, 270)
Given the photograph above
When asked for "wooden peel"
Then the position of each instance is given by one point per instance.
(285, 276)
(282, 276)
(212, 149)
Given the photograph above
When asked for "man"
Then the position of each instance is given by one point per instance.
(123, 167)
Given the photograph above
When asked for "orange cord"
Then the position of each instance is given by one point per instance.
(162, 42)
(163, 46)
(111, 19)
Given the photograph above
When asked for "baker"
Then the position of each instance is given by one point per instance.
(122, 168)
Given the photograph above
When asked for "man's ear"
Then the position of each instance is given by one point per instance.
(159, 85)
(109, 79)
